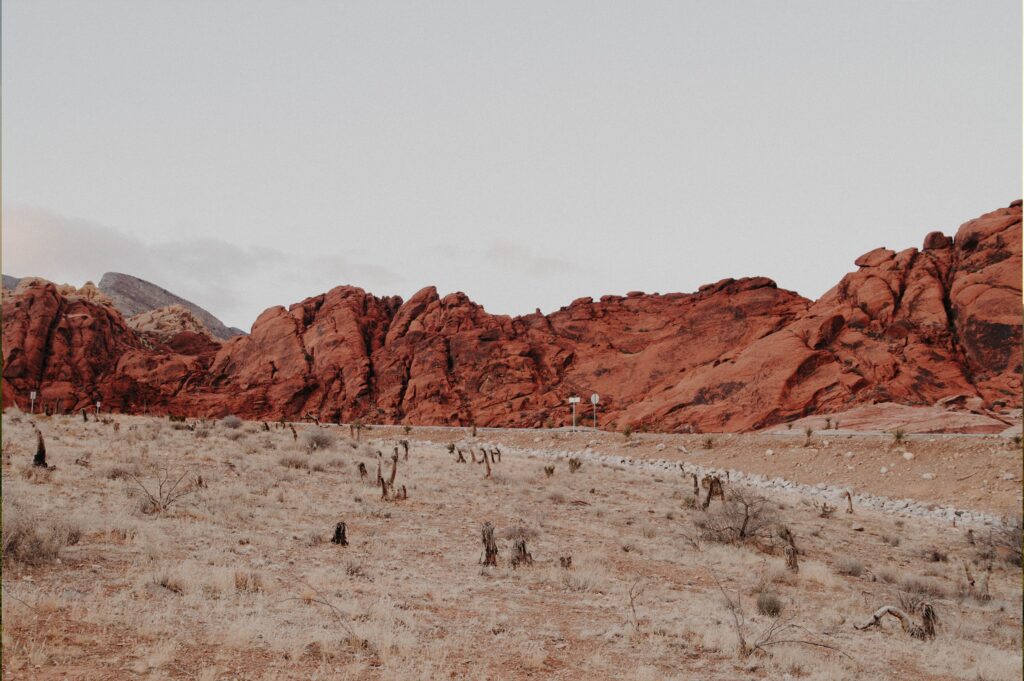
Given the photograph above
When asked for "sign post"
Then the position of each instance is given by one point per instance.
(32, 400)
(574, 400)
(98, 406)
(594, 399)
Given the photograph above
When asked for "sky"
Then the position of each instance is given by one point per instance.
(245, 154)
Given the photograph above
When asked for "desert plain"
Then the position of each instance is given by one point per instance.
(186, 549)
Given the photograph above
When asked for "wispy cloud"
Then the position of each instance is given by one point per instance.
(234, 282)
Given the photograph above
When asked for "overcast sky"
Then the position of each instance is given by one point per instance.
(249, 154)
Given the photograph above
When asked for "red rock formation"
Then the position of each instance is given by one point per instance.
(913, 327)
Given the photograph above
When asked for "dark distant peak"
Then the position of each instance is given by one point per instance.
(11, 282)
(133, 296)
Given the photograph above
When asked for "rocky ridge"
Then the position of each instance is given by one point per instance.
(916, 327)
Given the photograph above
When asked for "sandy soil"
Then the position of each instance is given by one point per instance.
(237, 579)
(976, 472)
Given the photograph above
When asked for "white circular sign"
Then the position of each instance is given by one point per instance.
(595, 398)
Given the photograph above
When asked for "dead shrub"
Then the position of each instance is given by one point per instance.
(30, 539)
(247, 581)
(769, 604)
(920, 587)
(847, 565)
(743, 516)
(296, 462)
(320, 438)
(231, 422)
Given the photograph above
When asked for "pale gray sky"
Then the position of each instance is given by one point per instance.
(247, 154)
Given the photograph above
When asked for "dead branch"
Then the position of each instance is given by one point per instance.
(923, 631)
(635, 591)
(790, 549)
(849, 502)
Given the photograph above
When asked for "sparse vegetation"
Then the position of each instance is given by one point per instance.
(231, 422)
(269, 568)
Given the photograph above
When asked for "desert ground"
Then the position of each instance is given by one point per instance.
(152, 549)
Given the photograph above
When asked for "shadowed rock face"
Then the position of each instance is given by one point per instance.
(911, 327)
(134, 296)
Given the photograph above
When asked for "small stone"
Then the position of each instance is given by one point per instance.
(857, 528)
(908, 456)
(660, 447)
(928, 476)
(883, 470)
(769, 452)
(1008, 476)
(848, 455)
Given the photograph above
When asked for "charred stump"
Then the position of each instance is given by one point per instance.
(339, 535)
(490, 545)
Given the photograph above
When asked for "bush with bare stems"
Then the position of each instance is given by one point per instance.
(743, 515)
(313, 440)
(574, 464)
(166, 490)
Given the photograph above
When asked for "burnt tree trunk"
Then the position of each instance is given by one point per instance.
(339, 535)
(490, 546)
(520, 556)
(40, 458)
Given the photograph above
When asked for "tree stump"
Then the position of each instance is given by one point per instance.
(362, 471)
(488, 463)
(394, 468)
(405, 446)
(520, 556)
(790, 549)
(85, 416)
(714, 486)
(490, 546)
(40, 458)
(339, 535)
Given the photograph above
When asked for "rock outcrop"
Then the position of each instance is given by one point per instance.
(918, 327)
(167, 322)
(133, 296)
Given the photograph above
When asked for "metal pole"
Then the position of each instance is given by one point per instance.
(595, 416)
(574, 417)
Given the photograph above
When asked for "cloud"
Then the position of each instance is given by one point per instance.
(516, 257)
(234, 282)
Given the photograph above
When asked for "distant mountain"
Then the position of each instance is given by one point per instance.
(133, 296)
(11, 282)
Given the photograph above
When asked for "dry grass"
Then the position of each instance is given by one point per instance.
(237, 579)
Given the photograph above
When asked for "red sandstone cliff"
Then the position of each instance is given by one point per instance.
(912, 327)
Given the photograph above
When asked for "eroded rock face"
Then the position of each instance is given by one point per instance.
(167, 322)
(913, 327)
